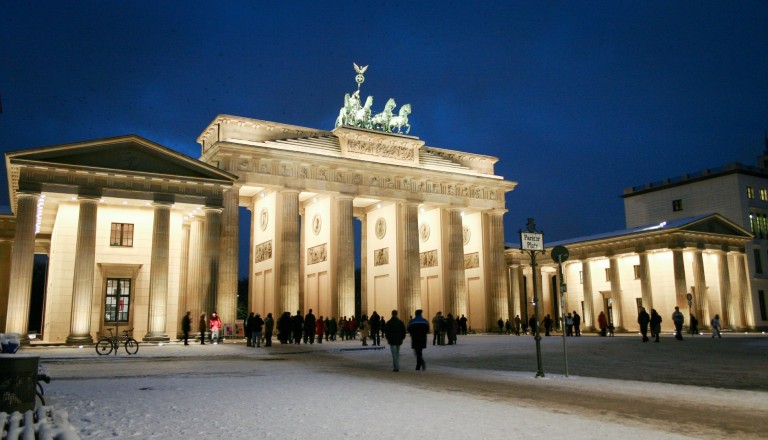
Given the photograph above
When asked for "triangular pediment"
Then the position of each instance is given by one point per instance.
(126, 155)
(716, 224)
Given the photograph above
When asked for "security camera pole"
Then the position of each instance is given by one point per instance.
(532, 242)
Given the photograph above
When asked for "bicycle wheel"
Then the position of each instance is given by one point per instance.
(131, 346)
(104, 346)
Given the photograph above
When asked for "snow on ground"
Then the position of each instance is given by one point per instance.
(231, 391)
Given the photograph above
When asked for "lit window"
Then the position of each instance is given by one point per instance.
(677, 205)
(607, 274)
(764, 194)
(121, 235)
(118, 299)
(750, 193)
(581, 277)
(637, 271)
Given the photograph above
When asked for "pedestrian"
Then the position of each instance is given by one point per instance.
(269, 326)
(547, 323)
(365, 329)
(284, 328)
(202, 326)
(320, 329)
(450, 330)
(330, 329)
(643, 319)
(297, 327)
(534, 325)
(394, 331)
(569, 325)
(309, 327)
(517, 324)
(256, 326)
(678, 319)
(576, 323)
(375, 328)
(463, 325)
(352, 328)
(249, 321)
(602, 323)
(507, 327)
(418, 327)
(342, 327)
(500, 324)
(437, 327)
(655, 324)
(186, 326)
(215, 324)
(694, 325)
(716, 326)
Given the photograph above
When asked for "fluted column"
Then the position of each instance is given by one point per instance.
(85, 263)
(589, 299)
(364, 263)
(745, 292)
(700, 309)
(408, 269)
(22, 264)
(645, 281)
(618, 309)
(210, 269)
(183, 277)
(158, 273)
(495, 265)
(726, 299)
(195, 269)
(288, 289)
(345, 257)
(226, 304)
(455, 287)
(515, 300)
(681, 287)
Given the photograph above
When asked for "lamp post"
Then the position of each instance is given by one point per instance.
(532, 242)
(560, 254)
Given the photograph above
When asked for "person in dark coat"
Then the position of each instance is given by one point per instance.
(678, 319)
(533, 325)
(186, 326)
(500, 323)
(284, 328)
(249, 329)
(694, 325)
(418, 327)
(394, 331)
(310, 326)
(375, 324)
(256, 327)
(297, 326)
(655, 324)
(202, 327)
(576, 324)
(269, 326)
(463, 325)
(547, 325)
(450, 329)
(644, 319)
(602, 323)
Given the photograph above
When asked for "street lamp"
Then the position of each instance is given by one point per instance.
(532, 242)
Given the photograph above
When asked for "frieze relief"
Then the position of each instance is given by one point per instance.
(262, 252)
(397, 152)
(303, 172)
(381, 257)
(317, 254)
(428, 259)
(472, 260)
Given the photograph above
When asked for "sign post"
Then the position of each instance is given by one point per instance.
(532, 242)
(560, 253)
(689, 297)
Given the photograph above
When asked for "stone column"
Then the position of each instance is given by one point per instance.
(364, 264)
(183, 279)
(408, 269)
(345, 257)
(226, 304)
(210, 268)
(158, 273)
(645, 281)
(745, 292)
(726, 299)
(681, 287)
(195, 265)
(288, 253)
(85, 263)
(495, 266)
(616, 299)
(700, 302)
(514, 291)
(22, 264)
(588, 319)
(455, 286)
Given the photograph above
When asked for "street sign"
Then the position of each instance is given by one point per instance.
(689, 296)
(559, 253)
(532, 241)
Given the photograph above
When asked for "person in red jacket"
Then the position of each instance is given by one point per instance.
(215, 323)
(320, 329)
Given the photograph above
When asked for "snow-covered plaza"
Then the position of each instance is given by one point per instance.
(483, 387)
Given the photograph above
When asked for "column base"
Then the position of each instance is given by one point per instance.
(79, 340)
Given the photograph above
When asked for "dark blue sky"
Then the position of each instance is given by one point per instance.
(578, 100)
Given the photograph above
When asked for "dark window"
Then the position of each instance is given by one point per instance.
(118, 300)
(637, 271)
(121, 235)
(677, 205)
(758, 262)
(763, 310)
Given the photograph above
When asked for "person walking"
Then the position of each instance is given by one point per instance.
(186, 326)
(394, 331)
(517, 324)
(500, 324)
(576, 323)
(215, 324)
(678, 319)
(320, 329)
(269, 327)
(643, 319)
(418, 328)
(450, 329)
(365, 329)
(655, 324)
(297, 326)
(547, 325)
(602, 323)
(463, 325)
(375, 328)
(569, 325)
(533, 325)
(249, 321)
(716, 326)
(202, 326)
(256, 327)
(310, 327)
(437, 327)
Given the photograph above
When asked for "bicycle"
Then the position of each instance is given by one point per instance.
(109, 343)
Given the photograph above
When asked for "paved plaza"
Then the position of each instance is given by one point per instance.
(484, 387)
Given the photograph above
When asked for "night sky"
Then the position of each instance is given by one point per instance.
(578, 100)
